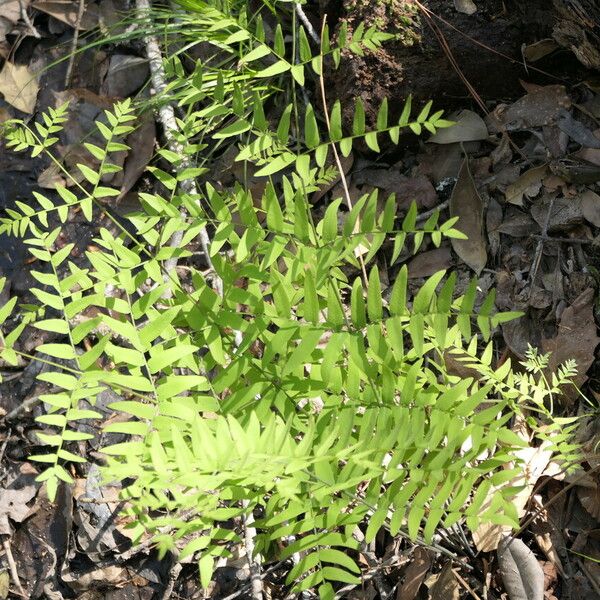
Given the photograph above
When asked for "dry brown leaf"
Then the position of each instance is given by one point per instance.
(427, 263)
(415, 575)
(590, 206)
(565, 213)
(466, 204)
(537, 108)
(547, 535)
(576, 339)
(66, 11)
(19, 86)
(538, 50)
(141, 143)
(528, 184)
(407, 189)
(469, 127)
(446, 587)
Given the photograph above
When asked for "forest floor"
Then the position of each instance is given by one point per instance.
(529, 198)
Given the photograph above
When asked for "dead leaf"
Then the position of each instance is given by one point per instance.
(528, 184)
(565, 213)
(576, 339)
(466, 204)
(13, 505)
(427, 263)
(415, 575)
(407, 189)
(590, 206)
(535, 109)
(141, 144)
(521, 573)
(576, 130)
(19, 87)
(126, 75)
(537, 50)
(66, 11)
(469, 127)
(446, 587)
(466, 7)
(547, 535)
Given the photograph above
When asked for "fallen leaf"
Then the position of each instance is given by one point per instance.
(415, 575)
(565, 213)
(427, 263)
(466, 204)
(13, 505)
(576, 130)
(141, 143)
(590, 206)
(535, 109)
(19, 86)
(126, 75)
(576, 339)
(469, 127)
(521, 573)
(528, 184)
(67, 11)
(407, 189)
(446, 586)
(537, 50)
(466, 7)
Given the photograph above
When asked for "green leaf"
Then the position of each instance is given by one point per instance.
(311, 301)
(281, 66)
(89, 174)
(374, 306)
(311, 129)
(335, 120)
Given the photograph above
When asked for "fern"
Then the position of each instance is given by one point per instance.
(300, 393)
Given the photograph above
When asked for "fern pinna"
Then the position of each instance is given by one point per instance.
(302, 394)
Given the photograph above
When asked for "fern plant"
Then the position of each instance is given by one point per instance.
(298, 395)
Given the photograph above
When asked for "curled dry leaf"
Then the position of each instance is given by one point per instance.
(576, 339)
(466, 204)
(522, 575)
(469, 127)
(19, 86)
(528, 184)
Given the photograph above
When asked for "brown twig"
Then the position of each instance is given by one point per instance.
(69, 74)
(12, 566)
(338, 162)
